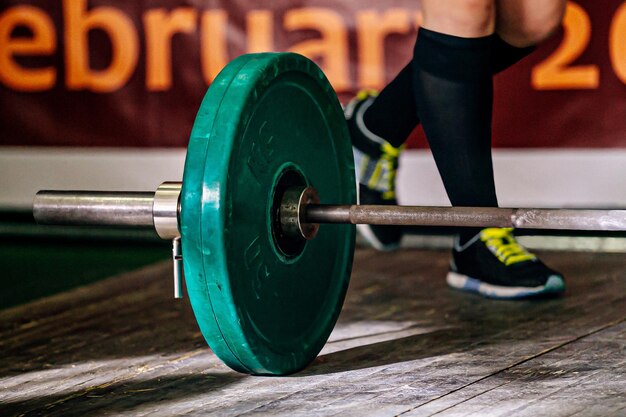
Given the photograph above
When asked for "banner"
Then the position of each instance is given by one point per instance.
(106, 73)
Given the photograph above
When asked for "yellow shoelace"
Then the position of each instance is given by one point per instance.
(384, 176)
(503, 245)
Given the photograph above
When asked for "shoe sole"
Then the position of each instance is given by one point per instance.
(553, 286)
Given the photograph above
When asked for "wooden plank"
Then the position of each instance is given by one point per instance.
(404, 342)
(583, 377)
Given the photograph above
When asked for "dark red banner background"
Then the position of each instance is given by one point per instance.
(114, 73)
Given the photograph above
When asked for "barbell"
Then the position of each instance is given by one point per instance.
(265, 210)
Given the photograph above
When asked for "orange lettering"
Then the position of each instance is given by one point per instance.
(372, 28)
(160, 28)
(556, 71)
(42, 42)
(124, 42)
(617, 44)
(332, 47)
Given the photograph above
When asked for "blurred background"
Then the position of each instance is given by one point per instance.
(102, 94)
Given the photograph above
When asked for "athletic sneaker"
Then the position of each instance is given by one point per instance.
(376, 164)
(494, 265)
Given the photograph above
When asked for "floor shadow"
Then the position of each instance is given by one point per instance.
(120, 397)
(439, 342)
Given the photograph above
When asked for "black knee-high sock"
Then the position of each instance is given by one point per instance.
(453, 86)
(393, 115)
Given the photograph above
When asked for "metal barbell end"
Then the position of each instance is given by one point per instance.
(94, 208)
(159, 210)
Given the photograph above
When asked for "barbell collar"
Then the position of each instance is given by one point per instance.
(166, 209)
(292, 210)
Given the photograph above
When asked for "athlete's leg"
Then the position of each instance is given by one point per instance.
(451, 77)
(452, 81)
(453, 86)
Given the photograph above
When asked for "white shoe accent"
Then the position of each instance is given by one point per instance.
(554, 284)
(359, 157)
(348, 110)
(457, 241)
(361, 124)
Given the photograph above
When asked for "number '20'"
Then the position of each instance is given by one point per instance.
(556, 73)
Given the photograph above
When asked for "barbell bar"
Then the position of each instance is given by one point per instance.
(299, 215)
(269, 163)
(147, 209)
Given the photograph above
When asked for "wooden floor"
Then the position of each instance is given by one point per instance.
(405, 345)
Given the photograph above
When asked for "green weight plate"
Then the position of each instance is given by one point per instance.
(264, 305)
